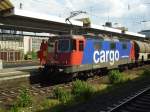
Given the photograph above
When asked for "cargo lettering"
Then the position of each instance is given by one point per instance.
(106, 56)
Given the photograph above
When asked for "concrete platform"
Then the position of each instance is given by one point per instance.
(17, 72)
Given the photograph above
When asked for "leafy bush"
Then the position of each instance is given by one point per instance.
(24, 99)
(62, 95)
(82, 90)
(30, 55)
(14, 108)
(34, 55)
(115, 77)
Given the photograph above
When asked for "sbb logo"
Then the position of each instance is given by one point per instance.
(106, 56)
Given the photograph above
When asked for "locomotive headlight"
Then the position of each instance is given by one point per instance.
(61, 70)
(66, 62)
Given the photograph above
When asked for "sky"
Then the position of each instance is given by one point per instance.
(133, 14)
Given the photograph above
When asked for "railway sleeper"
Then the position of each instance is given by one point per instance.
(134, 109)
(141, 105)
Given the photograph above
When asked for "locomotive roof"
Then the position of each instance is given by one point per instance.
(67, 36)
(100, 37)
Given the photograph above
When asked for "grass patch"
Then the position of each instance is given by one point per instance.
(24, 99)
(14, 108)
(146, 72)
(62, 95)
(23, 102)
(2, 110)
(49, 104)
(101, 87)
(82, 90)
(115, 77)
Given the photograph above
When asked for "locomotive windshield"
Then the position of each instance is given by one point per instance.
(64, 45)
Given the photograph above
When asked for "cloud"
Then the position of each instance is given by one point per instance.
(42, 6)
(146, 25)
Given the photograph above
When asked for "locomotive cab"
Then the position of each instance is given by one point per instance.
(65, 51)
(70, 50)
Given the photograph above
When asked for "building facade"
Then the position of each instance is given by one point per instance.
(32, 43)
(14, 47)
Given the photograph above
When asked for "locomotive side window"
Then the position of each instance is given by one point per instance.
(97, 45)
(112, 45)
(63, 45)
(124, 46)
(81, 46)
(73, 45)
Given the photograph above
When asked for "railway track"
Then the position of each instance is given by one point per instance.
(137, 103)
(10, 94)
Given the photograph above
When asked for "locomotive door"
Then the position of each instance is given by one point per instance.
(80, 49)
(137, 51)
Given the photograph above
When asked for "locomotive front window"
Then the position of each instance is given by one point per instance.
(63, 45)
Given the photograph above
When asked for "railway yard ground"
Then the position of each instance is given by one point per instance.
(44, 98)
(24, 63)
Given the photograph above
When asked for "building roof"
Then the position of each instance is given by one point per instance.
(31, 21)
(5, 5)
(145, 31)
(19, 12)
